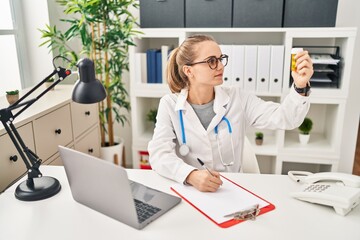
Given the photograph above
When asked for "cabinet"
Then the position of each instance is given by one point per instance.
(281, 150)
(53, 120)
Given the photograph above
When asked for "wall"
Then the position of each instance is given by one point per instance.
(348, 16)
(38, 59)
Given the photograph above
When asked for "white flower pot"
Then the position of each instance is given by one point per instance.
(113, 153)
(304, 139)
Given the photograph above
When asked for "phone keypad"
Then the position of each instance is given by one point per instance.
(316, 188)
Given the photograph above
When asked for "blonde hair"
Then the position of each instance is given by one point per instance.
(180, 56)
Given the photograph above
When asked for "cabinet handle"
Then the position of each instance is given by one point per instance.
(13, 158)
(58, 131)
(263, 80)
(276, 80)
(237, 79)
(87, 113)
(250, 79)
(90, 150)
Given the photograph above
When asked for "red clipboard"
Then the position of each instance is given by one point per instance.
(230, 222)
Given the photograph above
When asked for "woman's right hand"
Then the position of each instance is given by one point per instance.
(203, 181)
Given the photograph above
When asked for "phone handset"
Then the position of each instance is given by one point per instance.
(308, 177)
(339, 190)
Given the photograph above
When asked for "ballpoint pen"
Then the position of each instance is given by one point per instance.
(203, 165)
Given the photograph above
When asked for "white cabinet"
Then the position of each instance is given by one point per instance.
(53, 120)
(281, 150)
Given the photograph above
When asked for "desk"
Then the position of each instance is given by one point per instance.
(60, 217)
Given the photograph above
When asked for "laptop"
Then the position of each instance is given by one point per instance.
(105, 187)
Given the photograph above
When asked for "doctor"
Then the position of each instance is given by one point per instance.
(206, 120)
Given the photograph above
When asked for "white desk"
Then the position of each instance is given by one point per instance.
(60, 217)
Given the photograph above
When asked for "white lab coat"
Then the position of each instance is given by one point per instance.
(241, 108)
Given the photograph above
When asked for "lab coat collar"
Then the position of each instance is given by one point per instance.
(181, 99)
(221, 100)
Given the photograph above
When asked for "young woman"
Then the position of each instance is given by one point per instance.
(206, 120)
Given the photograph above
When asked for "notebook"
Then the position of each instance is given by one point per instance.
(105, 187)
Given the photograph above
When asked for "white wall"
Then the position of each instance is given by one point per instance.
(348, 16)
(38, 60)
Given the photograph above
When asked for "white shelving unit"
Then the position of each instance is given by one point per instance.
(281, 150)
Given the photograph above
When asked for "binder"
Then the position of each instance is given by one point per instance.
(229, 198)
(164, 59)
(250, 68)
(263, 69)
(227, 49)
(276, 69)
(238, 64)
(151, 65)
(140, 68)
(158, 67)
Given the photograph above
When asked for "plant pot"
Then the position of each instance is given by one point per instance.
(12, 98)
(304, 138)
(259, 141)
(113, 153)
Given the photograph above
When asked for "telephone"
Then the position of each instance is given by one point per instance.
(339, 190)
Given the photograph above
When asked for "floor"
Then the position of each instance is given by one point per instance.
(356, 169)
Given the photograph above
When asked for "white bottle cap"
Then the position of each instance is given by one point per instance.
(296, 50)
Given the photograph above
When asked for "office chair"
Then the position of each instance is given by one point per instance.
(250, 163)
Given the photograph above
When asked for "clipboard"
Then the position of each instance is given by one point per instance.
(227, 200)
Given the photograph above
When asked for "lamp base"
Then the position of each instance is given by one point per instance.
(37, 189)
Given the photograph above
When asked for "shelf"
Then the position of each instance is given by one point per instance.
(281, 149)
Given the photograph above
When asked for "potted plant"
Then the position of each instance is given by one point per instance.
(50, 81)
(305, 128)
(12, 96)
(106, 30)
(151, 116)
(259, 137)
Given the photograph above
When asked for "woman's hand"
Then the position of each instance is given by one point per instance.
(203, 181)
(304, 69)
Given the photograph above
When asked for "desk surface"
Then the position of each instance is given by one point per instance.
(60, 217)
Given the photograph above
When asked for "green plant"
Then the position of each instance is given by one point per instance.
(151, 115)
(306, 126)
(14, 92)
(50, 79)
(259, 135)
(106, 30)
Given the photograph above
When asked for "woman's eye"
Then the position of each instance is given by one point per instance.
(212, 60)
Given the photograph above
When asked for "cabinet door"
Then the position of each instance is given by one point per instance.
(90, 143)
(51, 130)
(83, 116)
(10, 170)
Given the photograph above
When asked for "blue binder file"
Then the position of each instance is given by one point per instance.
(151, 65)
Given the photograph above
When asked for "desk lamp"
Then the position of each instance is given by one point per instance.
(87, 90)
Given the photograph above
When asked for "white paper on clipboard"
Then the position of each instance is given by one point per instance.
(229, 198)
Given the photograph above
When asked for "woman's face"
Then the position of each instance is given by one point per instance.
(201, 74)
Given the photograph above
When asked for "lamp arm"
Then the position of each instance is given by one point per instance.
(31, 160)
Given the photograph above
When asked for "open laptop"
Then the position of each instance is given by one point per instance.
(104, 187)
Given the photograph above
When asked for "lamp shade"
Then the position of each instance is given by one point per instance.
(87, 89)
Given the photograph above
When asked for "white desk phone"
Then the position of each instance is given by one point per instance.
(339, 190)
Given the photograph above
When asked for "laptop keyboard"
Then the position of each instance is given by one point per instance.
(144, 210)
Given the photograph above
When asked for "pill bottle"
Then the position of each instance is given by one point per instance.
(294, 51)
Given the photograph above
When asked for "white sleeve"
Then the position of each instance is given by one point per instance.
(270, 115)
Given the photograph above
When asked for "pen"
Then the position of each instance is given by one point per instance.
(203, 165)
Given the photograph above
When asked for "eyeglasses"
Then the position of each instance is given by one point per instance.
(248, 214)
(213, 61)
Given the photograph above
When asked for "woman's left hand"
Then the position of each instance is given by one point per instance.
(304, 69)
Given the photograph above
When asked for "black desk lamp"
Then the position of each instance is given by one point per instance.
(87, 90)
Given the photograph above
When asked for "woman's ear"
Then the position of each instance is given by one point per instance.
(187, 70)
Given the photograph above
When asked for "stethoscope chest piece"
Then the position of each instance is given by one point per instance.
(184, 150)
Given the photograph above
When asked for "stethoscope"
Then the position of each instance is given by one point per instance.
(184, 149)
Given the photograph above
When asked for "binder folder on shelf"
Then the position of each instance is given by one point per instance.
(229, 205)
(250, 67)
(238, 64)
(276, 69)
(263, 69)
